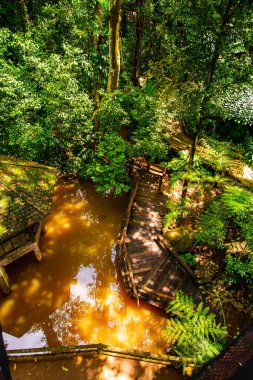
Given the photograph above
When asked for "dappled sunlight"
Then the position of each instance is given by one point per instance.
(73, 296)
(34, 287)
(7, 309)
(247, 172)
(109, 373)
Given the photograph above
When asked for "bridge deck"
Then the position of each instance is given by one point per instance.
(150, 272)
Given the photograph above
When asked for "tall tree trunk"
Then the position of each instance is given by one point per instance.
(137, 50)
(114, 46)
(191, 157)
(24, 15)
(98, 40)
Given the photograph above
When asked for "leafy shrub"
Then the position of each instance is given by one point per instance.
(247, 149)
(198, 175)
(111, 113)
(45, 115)
(239, 268)
(176, 210)
(189, 258)
(108, 166)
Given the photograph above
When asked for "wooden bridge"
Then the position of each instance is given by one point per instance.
(151, 269)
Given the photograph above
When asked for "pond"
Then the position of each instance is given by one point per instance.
(75, 295)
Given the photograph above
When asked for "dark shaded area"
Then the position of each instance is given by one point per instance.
(4, 364)
(234, 362)
(244, 372)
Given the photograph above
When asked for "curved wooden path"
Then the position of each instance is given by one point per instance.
(150, 268)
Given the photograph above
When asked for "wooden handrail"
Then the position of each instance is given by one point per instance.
(166, 245)
(91, 350)
(123, 249)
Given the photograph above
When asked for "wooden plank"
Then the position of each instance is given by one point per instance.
(169, 248)
(141, 270)
(155, 269)
(148, 223)
(144, 254)
(148, 217)
(158, 294)
(167, 272)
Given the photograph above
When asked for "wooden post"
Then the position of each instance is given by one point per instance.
(37, 252)
(4, 281)
(43, 229)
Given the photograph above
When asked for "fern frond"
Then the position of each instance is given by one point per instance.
(196, 334)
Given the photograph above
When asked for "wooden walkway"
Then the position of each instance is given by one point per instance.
(150, 268)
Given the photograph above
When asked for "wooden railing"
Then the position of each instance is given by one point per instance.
(91, 350)
(165, 245)
(151, 168)
(123, 249)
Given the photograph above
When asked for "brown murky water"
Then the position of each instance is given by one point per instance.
(75, 296)
(103, 368)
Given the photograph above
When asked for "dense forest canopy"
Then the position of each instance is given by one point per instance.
(74, 73)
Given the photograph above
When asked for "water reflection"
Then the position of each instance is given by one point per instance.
(75, 296)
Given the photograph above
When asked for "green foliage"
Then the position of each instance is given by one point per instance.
(108, 166)
(189, 258)
(238, 202)
(235, 203)
(193, 331)
(197, 175)
(239, 267)
(177, 168)
(212, 228)
(45, 115)
(247, 150)
(176, 210)
(232, 208)
(112, 115)
(54, 63)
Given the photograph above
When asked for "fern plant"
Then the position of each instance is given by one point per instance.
(193, 331)
(233, 207)
(238, 202)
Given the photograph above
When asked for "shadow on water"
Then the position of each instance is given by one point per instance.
(104, 368)
(75, 295)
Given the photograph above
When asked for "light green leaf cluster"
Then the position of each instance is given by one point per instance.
(192, 330)
(235, 103)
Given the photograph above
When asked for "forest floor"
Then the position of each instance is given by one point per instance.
(207, 262)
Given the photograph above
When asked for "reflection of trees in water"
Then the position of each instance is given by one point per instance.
(64, 322)
(109, 320)
(76, 285)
